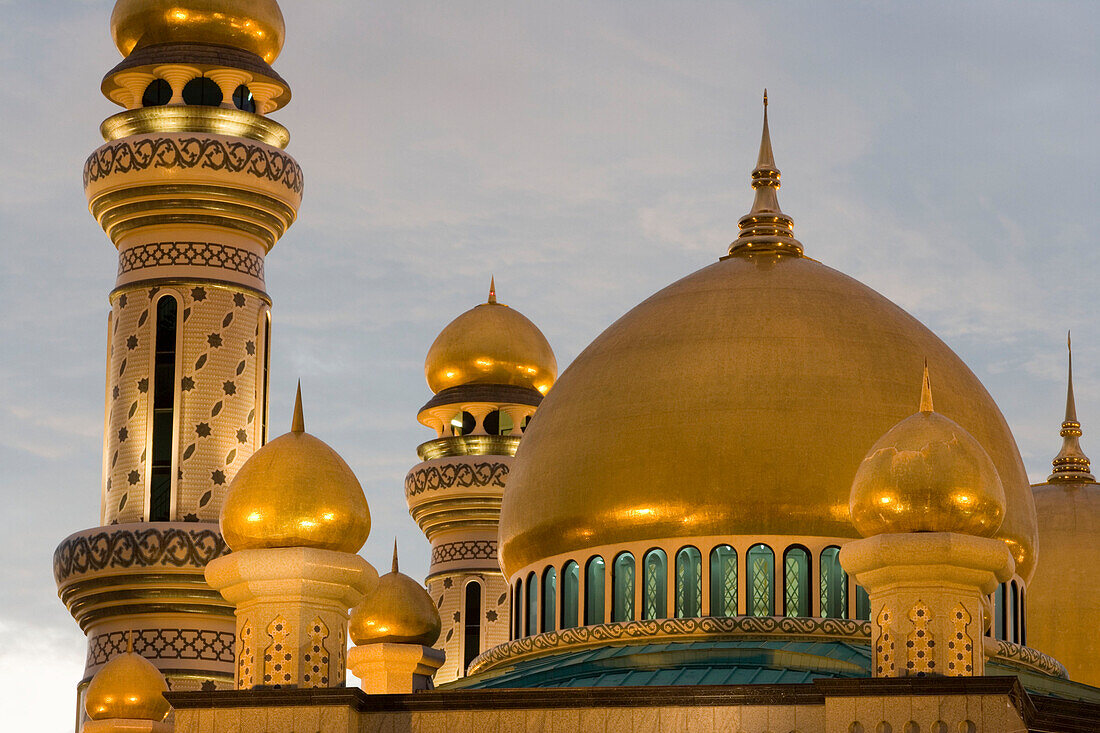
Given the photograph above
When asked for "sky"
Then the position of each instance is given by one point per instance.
(586, 154)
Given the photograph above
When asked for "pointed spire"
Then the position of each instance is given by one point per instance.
(298, 422)
(395, 554)
(130, 641)
(926, 391)
(766, 228)
(1071, 463)
(492, 290)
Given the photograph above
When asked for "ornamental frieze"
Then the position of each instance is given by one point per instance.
(259, 161)
(462, 475)
(116, 547)
(190, 644)
(204, 254)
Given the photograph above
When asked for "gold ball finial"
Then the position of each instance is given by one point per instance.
(491, 344)
(927, 474)
(399, 611)
(295, 491)
(250, 25)
(127, 687)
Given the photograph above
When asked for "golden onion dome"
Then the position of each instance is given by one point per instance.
(398, 611)
(491, 344)
(739, 400)
(927, 474)
(251, 25)
(295, 491)
(127, 687)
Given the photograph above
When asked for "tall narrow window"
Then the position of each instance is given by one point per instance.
(265, 377)
(531, 613)
(517, 610)
(622, 590)
(796, 582)
(570, 594)
(593, 591)
(164, 413)
(999, 612)
(863, 604)
(760, 563)
(834, 585)
(1023, 617)
(549, 589)
(723, 581)
(655, 589)
(471, 619)
(689, 583)
(1013, 614)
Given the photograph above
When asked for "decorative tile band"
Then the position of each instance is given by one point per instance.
(203, 254)
(673, 629)
(463, 475)
(197, 644)
(466, 550)
(259, 161)
(1024, 656)
(118, 547)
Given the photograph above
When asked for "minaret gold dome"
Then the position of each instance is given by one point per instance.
(296, 491)
(127, 687)
(399, 611)
(251, 25)
(927, 474)
(491, 344)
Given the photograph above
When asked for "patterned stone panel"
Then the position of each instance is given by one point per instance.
(191, 254)
(464, 550)
(164, 644)
(447, 591)
(128, 375)
(145, 547)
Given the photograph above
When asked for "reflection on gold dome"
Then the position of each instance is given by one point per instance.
(743, 396)
(399, 611)
(927, 474)
(491, 344)
(128, 687)
(296, 491)
(251, 25)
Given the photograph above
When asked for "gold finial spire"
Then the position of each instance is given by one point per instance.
(130, 641)
(492, 290)
(298, 422)
(395, 554)
(926, 392)
(766, 228)
(1071, 463)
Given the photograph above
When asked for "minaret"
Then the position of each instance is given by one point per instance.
(193, 188)
(489, 370)
(1063, 598)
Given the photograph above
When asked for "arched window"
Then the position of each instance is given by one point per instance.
(622, 588)
(549, 589)
(999, 612)
(655, 584)
(471, 620)
(517, 610)
(863, 604)
(593, 591)
(570, 594)
(834, 585)
(1013, 614)
(531, 613)
(523, 425)
(723, 581)
(463, 423)
(159, 92)
(498, 422)
(164, 412)
(243, 100)
(203, 92)
(1023, 617)
(760, 567)
(796, 582)
(689, 583)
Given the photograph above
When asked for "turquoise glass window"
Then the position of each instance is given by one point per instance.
(570, 594)
(655, 585)
(531, 616)
(834, 585)
(689, 583)
(723, 581)
(796, 582)
(549, 590)
(622, 590)
(593, 591)
(760, 569)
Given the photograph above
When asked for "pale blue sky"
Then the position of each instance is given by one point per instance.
(587, 153)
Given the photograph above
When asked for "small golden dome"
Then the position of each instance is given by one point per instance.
(491, 344)
(250, 25)
(296, 491)
(927, 474)
(127, 687)
(399, 611)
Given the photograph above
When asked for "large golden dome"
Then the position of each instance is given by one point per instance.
(296, 491)
(251, 25)
(739, 400)
(127, 687)
(927, 474)
(491, 344)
